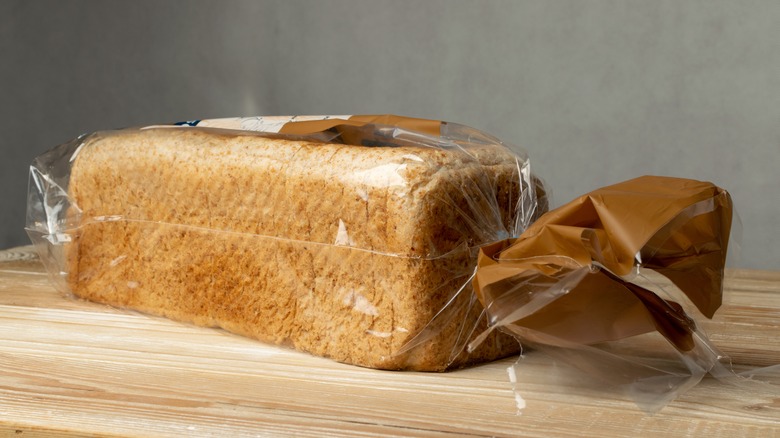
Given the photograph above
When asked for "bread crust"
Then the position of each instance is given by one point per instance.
(341, 251)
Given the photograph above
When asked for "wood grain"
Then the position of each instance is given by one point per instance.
(74, 368)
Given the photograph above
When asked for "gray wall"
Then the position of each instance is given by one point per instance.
(597, 91)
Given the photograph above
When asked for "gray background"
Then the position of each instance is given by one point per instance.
(597, 91)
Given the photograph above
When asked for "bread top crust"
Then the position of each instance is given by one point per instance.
(411, 200)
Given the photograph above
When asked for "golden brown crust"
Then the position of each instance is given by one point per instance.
(344, 252)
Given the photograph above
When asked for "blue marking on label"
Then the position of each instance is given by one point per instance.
(188, 123)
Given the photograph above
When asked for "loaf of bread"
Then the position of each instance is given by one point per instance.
(347, 252)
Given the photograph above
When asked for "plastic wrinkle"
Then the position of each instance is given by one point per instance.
(360, 304)
(443, 316)
(462, 248)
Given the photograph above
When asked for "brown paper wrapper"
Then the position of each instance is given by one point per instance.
(430, 127)
(363, 130)
(566, 279)
(357, 130)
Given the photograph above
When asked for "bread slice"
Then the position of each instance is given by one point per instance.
(341, 251)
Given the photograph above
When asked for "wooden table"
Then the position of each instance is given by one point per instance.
(75, 368)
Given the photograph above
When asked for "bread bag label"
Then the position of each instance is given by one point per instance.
(270, 124)
(307, 125)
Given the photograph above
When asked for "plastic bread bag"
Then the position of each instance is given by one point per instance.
(616, 284)
(353, 238)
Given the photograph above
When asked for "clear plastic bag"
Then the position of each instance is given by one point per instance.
(342, 237)
(392, 243)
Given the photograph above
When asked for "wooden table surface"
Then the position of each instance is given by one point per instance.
(73, 368)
